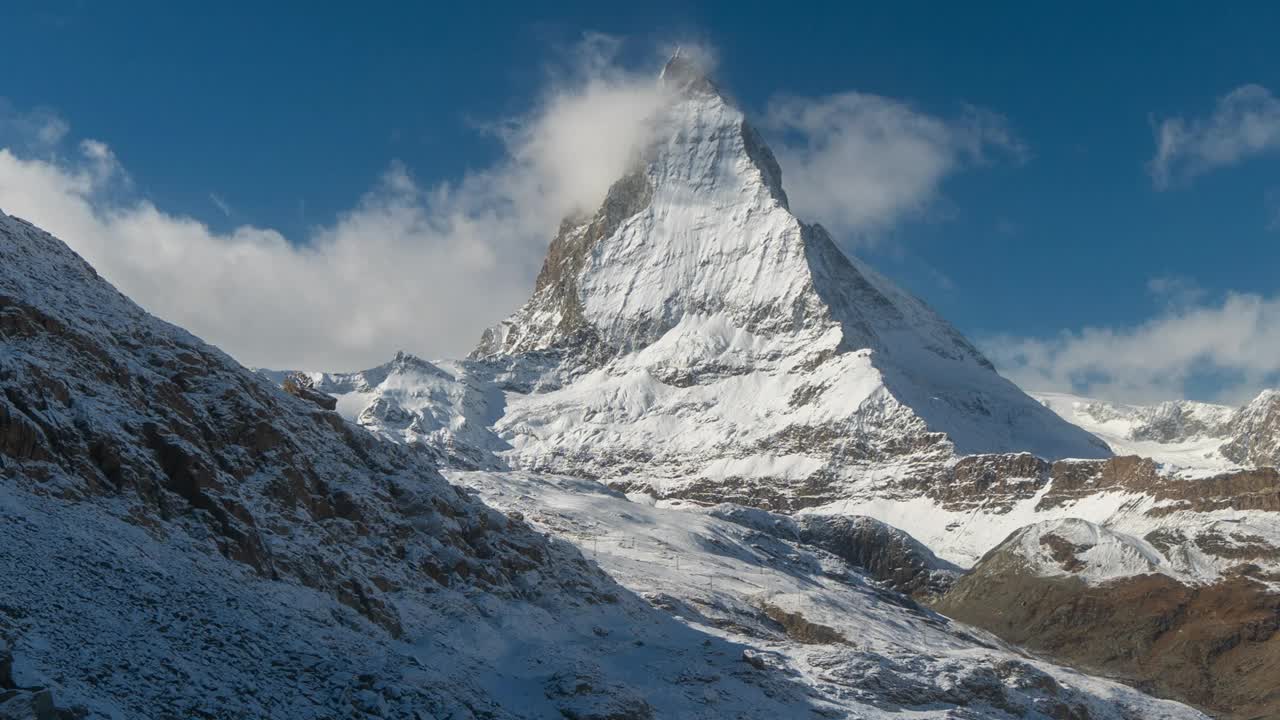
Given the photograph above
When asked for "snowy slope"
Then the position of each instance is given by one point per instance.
(180, 538)
(804, 612)
(1190, 437)
(1185, 435)
(438, 407)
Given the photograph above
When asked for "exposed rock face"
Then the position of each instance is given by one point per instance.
(1255, 432)
(1176, 421)
(302, 386)
(1213, 645)
(885, 553)
(554, 320)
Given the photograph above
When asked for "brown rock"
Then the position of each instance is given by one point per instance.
(1216, 647)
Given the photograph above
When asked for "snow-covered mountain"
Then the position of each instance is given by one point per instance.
(1188, 437)
(1115, 603)
(1253, 433)
(694, 332)
(693, 284)
(694, 342)
(179, 537)
(441, 408)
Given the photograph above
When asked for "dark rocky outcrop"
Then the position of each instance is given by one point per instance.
(886, 553)
(103, 406)
(302, 386)
(883, 552)
(1255, 432)
(555, 294)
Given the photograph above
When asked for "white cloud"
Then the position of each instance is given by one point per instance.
(426, 268)
(38, 130)
(1235, 341)
(413, 267)
(1244, 123)
(1176, 290)
(859, 163)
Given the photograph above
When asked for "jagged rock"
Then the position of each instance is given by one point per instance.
(1255, 432)
(302, 386)
(886, 553)
(1183, 435)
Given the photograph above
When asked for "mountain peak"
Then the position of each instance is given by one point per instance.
(694, 270)
(684, 73)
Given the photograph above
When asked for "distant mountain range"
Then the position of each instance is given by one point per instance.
(1187, 436)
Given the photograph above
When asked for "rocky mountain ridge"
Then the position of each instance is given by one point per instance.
(1112, 603)
(1188, 437)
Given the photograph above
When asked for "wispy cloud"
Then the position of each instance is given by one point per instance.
(860, 163)
(424, 268)
(1244, 123)
(1271, 203)
(220, 203)
(1176, 290)
(35, 131)
(1235, 340)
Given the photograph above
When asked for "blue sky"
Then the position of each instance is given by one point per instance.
(284, 118)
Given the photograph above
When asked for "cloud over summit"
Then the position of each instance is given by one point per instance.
(425, 266)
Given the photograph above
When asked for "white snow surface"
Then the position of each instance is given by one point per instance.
(1184, 435)
(1102, 553)
(894, 659)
